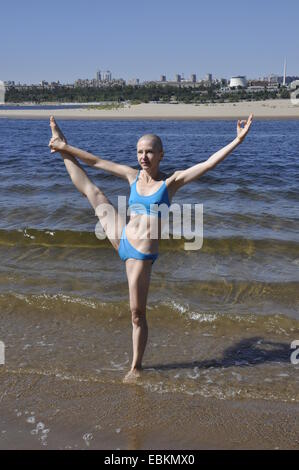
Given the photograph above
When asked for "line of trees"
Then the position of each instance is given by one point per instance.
(142, 94)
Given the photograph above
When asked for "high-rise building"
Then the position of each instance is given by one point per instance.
(178, 78)
(98, 76)
(208, 77)
(163, 78)
(193, 78)
(107, 76)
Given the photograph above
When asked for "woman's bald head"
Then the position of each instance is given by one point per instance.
(154, 139)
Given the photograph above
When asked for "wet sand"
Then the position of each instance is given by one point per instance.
(202, 387)
(68, 414)
(270, 109)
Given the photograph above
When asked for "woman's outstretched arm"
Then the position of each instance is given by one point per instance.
(58, 143)
(117, 169)
(183, 177)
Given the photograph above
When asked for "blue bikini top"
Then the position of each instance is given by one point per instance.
(139, 204)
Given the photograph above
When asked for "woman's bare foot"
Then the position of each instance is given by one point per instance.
(56, 132)
(132, 376)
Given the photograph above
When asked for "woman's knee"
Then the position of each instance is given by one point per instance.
(138, 316)
(94, 195)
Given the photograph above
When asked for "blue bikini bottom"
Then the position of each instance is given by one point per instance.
(126, 250)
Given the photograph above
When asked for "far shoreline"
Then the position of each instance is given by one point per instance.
(262, 110)
(146, 118)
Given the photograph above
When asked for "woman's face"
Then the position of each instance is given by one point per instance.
(148, 155)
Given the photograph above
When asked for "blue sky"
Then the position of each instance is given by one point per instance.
(65, 40)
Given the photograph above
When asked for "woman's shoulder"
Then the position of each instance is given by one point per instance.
(169, 177)
(132, 178)
(170, 184)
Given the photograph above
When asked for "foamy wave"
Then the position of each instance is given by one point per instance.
(277, 323)
(218, 392)
(33, 299)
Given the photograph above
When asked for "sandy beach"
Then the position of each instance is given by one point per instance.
(270, 109)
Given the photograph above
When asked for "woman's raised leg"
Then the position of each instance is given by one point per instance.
(110, 219)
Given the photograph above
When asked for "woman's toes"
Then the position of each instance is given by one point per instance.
(54, 127)
(132, 376)
(56, 132)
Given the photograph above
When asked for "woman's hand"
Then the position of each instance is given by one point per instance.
(56, 144)
(242, 131)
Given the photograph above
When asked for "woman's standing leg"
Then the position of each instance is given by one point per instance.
(138, 274)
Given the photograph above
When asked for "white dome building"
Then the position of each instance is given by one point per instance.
(293, 85)
(239, 81)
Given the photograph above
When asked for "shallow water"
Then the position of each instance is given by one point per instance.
(221, 319)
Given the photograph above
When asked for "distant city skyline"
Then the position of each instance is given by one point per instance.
(71, 40)
(106, 75)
